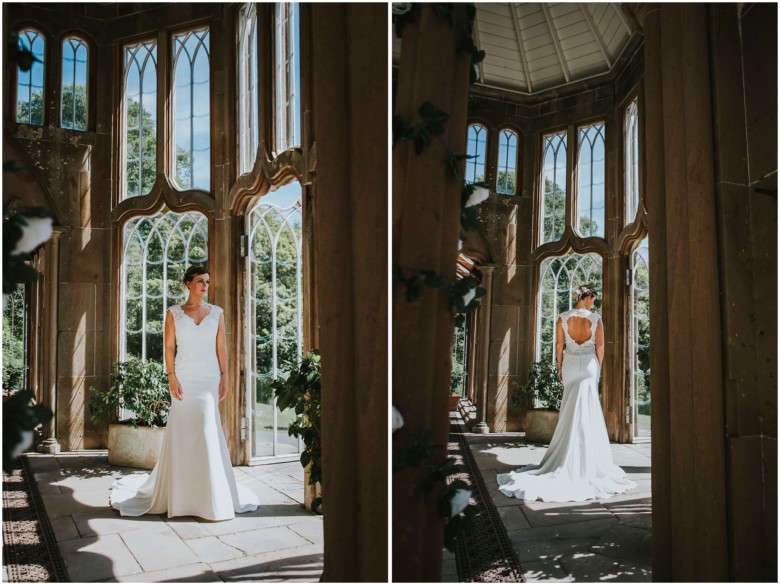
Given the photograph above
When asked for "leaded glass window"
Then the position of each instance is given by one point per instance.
(631, 162)
(275, 332)
(288, 76)
(506, 183)
(73, 107)
(591, 165)
(192, 110)
(559, 276)
(639, 339)
(29, 84)
(156, 252)
(248, 95)
(553, 186)
(475, 148)
(139, 119)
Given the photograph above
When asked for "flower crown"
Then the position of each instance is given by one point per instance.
(584, 290)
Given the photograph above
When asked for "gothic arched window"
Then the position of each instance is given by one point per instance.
(191, 110)
(139, 119)
(631, 159)
(248, 93)
(558, 277)
(156, 252)
(506, 176)
(639, 339)
(591, 166)
(275, 313)
(29, 84)
(287, 76)
(74, 90)
(475, 147)
(553, 187)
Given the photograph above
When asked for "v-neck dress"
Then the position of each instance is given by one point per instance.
(193, 475)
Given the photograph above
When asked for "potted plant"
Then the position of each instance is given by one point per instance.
(138, 386)
(300, 389)
(545, 387)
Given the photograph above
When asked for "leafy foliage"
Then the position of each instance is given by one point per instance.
(458, 356)
(554, 211)
(458, 291)
(543, 384)
(300, 390)
(13, 341)
(74, 101)
(141, 151)
(430, 124)
(139, 386)
(20, 417)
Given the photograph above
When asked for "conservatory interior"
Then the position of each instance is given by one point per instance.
(632, 147)
(161, 135)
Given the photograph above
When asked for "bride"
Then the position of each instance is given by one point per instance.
(578, 464)
(193, 475)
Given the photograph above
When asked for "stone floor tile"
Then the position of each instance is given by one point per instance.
(108, 521)
(590, 529)
(545, 572)
(626, 543)
(212, 550)
(64, 528)
(589, 567)
(99, 558)
(500, 500)
(265, 540)
(158, 548)
(302, 564)
(195, 573)
(65, 503)
(41, 463)
(310, 529)
(553, 549)
(513, 518)
(551, 513)
(188, 527)
(263, 517)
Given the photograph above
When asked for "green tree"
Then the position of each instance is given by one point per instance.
(506, 183)
(30, 111)
(588, 227)
(554, 211)
(140, 150)
(74, 101)
(458, 357)
(13, 341)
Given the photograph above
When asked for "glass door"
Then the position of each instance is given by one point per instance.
(639, 339)
(275, 317)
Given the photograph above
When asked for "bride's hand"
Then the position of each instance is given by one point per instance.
(223, 388)
(175, 387)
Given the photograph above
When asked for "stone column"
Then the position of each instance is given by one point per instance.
(689, 527)
(349, 125)
(484, 354)
(426, 224)
(49, 382)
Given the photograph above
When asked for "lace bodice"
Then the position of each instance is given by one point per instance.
(196, 343)
(589, 346)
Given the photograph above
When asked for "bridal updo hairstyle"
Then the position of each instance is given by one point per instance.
(192, 272)
(584, 291)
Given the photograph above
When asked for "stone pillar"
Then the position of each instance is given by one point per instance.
(349, 124)
(484, 348)
(426, 224)
(689, 527)
(49, 381)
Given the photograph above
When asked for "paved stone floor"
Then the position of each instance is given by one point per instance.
(280, 541)
(598, 540)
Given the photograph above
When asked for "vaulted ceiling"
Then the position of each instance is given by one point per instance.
(533, 47)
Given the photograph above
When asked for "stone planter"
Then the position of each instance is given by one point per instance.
(134, 447)
(310, 492)
(540, 425)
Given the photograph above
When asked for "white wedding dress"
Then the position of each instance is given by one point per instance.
(193, 475)
(578, 463)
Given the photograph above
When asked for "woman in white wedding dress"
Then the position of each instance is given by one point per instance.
(193, 475)
(578, 463)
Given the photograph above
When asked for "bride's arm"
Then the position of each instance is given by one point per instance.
(600, 342)
(222, 356)
(559, 338)
(169, 341)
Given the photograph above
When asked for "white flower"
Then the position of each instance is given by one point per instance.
(398, 420)
(27, 439)
(469, 296)
(476, 70)
(479, 195)
(460, 499)
(460, 244)
(37, 231)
